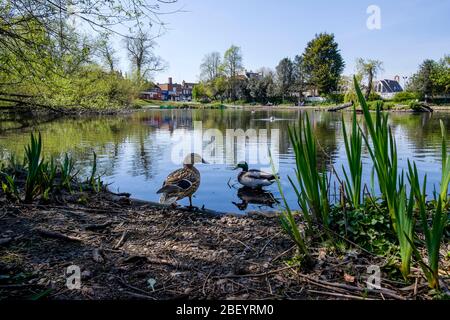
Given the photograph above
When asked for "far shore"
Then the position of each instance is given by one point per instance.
(283, 107)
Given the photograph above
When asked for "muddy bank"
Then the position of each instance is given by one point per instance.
(134, 250)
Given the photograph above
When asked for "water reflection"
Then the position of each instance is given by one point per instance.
(134, 150)
(259, 197)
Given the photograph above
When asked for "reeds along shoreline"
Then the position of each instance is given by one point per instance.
(402, 208)
(38, 178)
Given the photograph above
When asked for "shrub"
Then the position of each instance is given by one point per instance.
(351, 96)
(405, 96)
(335, 98)
(373, 104)
(374, 96)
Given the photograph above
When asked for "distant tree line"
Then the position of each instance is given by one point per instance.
(315, 72)
(318, 70)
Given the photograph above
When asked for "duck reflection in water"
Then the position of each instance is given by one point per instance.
(254, 196)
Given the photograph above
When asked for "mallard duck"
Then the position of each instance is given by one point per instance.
(183, 182)
(254, 179)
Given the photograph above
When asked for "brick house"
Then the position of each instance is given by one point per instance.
(176, 92)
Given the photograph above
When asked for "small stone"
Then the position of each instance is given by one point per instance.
(187, 290)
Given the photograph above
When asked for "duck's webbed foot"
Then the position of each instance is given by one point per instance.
(193, 208)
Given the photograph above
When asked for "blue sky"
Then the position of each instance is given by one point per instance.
(267, 31)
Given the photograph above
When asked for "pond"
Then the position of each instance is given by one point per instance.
(137, 151)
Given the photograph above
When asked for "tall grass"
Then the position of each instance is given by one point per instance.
(445, 180)
(42, 176)
(405, 229)
(439, 220)
(383, 153)
(34, 165)
(67, 168)
(311, 185)
(401, 199)
(353, 148)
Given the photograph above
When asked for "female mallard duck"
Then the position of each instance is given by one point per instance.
(254, 179)
(183, 182)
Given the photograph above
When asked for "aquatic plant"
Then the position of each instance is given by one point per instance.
(311, 185)
(33, 164)
(92, 179)
(445, 165)
(439, 219)
(405, 229)
(67, 167)
(383, 153)
(353, 148)
(287, 219)
(47, 176)
(9, 187)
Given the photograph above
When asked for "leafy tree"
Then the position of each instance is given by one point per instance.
(441, 76)
(200, 92)
(262, 89)
(46, 62)
(323, 63)
(369, 69)
(300, 84)
(232, 66)
(285, 76)
(218, 88)
(422, 81)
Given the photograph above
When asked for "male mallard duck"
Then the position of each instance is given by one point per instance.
(183, 182)
(254, 179)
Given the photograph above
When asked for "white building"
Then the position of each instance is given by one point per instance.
(387, 89)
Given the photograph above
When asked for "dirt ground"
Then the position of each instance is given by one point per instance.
(133, 250)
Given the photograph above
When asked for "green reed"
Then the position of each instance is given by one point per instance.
(287, 219)
(311, 185)
(33, 162)
(383, 153)
(67, 168)
(439, 217)
(445, 167)
(353, 148)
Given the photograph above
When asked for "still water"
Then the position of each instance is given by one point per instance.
(137, 151)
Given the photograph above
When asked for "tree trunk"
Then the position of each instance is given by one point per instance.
(369, 88)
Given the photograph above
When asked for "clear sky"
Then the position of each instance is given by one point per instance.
(267, 31)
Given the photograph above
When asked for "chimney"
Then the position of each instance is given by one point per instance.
(170, 80)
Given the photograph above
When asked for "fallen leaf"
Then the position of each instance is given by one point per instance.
(349, 278)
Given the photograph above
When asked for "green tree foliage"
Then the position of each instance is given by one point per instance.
(432, 78)
(262, 88)
(46, 62)
(200, 92)
(369, 69)
(299, 85)
(323, 63)
(232, 66)
(285, 76)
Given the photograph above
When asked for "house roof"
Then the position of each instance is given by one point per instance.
(391, 85)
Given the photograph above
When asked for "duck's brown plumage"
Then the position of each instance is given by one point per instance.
(181, 183)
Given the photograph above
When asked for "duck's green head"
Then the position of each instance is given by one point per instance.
(242, 165)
